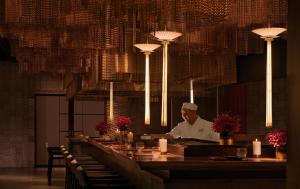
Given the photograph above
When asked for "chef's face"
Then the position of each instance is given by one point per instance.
(188, 115)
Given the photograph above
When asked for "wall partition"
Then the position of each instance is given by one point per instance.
(51, 121)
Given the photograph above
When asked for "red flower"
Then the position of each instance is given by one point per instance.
(102, 126)
(277, 138)
(226, 123)
(123, 122)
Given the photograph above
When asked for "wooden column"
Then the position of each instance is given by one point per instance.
(71, 117)
(71, 120)
(293, 83)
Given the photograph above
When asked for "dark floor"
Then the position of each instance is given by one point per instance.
(30, 178)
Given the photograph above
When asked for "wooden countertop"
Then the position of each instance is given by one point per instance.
(173, 170)
(172, 161)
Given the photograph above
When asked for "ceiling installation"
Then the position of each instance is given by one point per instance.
(91, 42)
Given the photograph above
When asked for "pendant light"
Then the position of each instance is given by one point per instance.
(269, 34)
(111, 102)
(147, 49)
(165, 37)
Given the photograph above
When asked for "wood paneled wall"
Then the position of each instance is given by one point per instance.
(293, 76)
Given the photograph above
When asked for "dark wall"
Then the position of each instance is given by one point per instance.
(5, 51)
(252, 68)
(256, 106)
(251, 71)
(16, 118)
(17, 113)
(293, 78)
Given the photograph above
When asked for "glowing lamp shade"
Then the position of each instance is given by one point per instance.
(268, 34)
(165, 37)
(147, 49)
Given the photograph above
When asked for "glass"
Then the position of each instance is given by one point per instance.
(155, 152)
(139, 147)
(241, 152)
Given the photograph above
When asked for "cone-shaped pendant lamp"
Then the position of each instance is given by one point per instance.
(147, 49)
(165, 37)
(269, 34)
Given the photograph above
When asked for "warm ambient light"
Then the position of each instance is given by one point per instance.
(165, 37)
(117, 62)
(147, 49)
(191, 91)
(111, 102)
(126, 62)
(268, 34)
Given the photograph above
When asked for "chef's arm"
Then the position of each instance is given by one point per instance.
(175, 132)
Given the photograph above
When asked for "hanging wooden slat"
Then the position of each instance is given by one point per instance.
(63, 35)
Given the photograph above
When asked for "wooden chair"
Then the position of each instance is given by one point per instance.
(53, 153)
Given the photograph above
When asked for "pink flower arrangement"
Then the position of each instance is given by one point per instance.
(277, 138)
(225, 123)
(123, 122)
(102, 127)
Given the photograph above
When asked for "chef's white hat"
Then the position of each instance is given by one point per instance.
(190, 106)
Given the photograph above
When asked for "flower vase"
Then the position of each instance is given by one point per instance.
(226, 139)
(280, 153)
(102, 134)
(123, 136)
(222, 141)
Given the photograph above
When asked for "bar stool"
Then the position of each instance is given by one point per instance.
(70, 180)
(84, 173)
(53, 153)
(100, 179)
(106, 181)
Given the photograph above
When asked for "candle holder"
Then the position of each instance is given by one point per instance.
(280, 153)
(130, 138)
(226, 141)
(241, 152)
(123, 136)
(155, 152)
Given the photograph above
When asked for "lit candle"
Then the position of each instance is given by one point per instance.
(163, 143)
(256, 147)
(118, 132)
(130, 137)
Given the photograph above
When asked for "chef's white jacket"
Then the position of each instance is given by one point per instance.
(201, 129)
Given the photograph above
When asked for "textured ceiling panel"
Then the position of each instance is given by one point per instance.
(63, 36)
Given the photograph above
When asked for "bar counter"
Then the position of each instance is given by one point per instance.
(173, 170)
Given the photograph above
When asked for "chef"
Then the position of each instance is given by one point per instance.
(193, 126)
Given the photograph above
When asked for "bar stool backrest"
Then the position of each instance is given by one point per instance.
(69, 160)
(78, 172)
